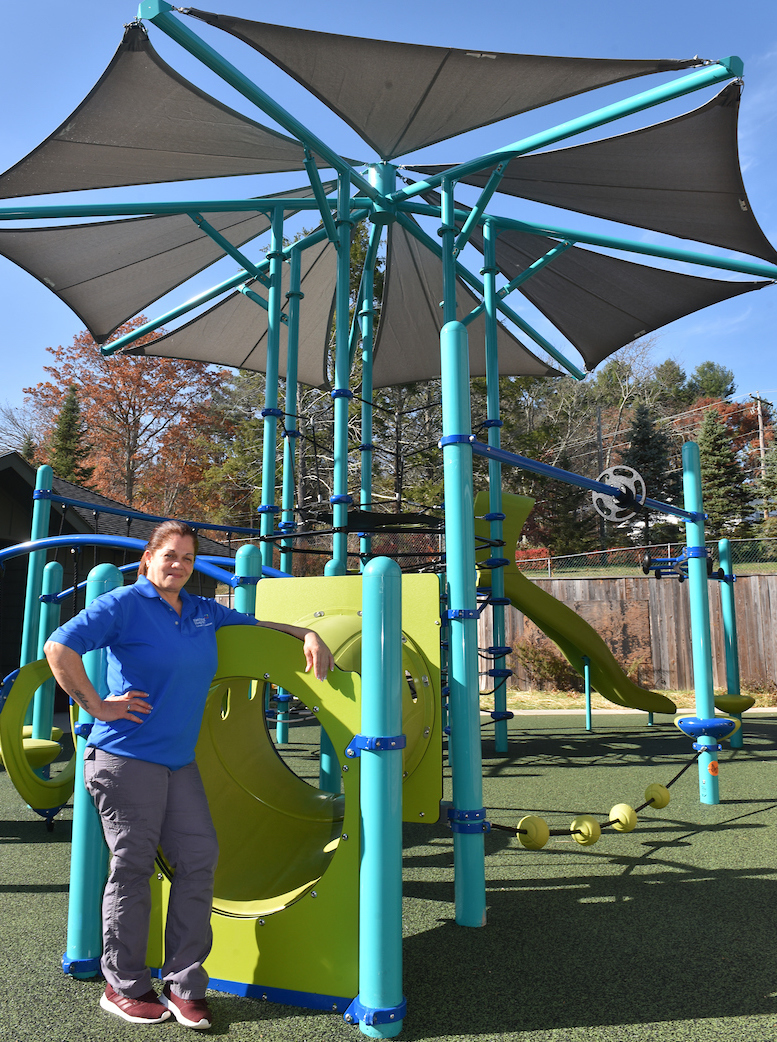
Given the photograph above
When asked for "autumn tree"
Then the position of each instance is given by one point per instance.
(149, 420)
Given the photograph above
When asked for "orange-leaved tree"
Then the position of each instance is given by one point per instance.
(153, 426)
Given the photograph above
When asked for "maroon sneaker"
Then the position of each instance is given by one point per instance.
(146, 1009)
(192, 1013)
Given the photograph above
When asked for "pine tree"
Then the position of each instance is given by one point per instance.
(28, 449)
(726, 497)
(710, 380)
(650, 454)
(69, 447)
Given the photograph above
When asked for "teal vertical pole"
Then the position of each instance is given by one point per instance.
(341, 394)
(270, 413)
(41, 512)
(290, 431)
(728, 609)
(289, 459)
(467, 813)
(384, 178)
(89, 855)
(700, 620)
(496, 516)
(447, 234)
(587, 683)
(366, 316)
(444, 646)
(43, 709)
(329, 779)
(248, 564)
(380, 876)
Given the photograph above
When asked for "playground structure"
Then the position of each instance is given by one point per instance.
(282, 908)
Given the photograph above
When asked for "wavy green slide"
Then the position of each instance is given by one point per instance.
(573, 636)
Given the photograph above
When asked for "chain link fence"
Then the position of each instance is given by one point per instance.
(749, 557)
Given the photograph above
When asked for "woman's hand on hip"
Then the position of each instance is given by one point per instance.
(126, 707)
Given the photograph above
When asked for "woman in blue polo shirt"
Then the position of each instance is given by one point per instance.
(139, 767)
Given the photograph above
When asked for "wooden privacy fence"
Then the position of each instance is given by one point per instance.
(646, 623)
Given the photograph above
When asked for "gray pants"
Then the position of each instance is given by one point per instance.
(143, 806)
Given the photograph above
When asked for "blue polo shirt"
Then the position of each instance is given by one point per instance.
(151, 648)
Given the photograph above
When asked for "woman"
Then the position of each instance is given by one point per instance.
(139, 767)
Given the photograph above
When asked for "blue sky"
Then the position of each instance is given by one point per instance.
(54, 53)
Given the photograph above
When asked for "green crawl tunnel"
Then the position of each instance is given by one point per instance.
(285, 910)
(277, 834)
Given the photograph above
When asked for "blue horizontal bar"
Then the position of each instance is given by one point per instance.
(98, 508)
(115, 542)
(569, 478)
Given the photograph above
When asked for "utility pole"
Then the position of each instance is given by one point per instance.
(759, 405)
(600, 460)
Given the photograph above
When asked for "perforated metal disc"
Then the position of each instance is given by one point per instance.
(628, 481)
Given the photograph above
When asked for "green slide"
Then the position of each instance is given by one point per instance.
(573, 636)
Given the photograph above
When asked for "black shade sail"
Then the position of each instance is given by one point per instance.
(400, 97)
(681, 177)
(109, 271)
(601, 303)
(234, 332)
(143, 123)
(407, 346)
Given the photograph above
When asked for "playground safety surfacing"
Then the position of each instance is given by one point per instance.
(665, 933)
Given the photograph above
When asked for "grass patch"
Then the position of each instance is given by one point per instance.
(765, 698)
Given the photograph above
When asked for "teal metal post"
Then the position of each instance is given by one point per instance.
(290, 426)
(498, 669)
(270, 413)
(700, 620)
(380, 1004)
(89, 856)
(248, 564)
(43, 709)
(728, 608)
(341, 394)
(289, 455)
(366, 316)
(41, 512)
(467, 813)
(587, 682)
(384, 178)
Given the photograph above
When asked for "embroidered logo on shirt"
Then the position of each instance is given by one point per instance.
(205, 621)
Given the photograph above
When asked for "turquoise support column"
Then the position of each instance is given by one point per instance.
(587, 683)
(289, 458)
(341, 395)
(290, 425)
(467, 814)
(380, 1004)
(41, 512)
(700, 620)
(43, 708)
(366, 316)
(384, 177)
(248, 564)
(329, 779)
(728, 609)
(271, 412)
(499, 670)
(89, 855)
